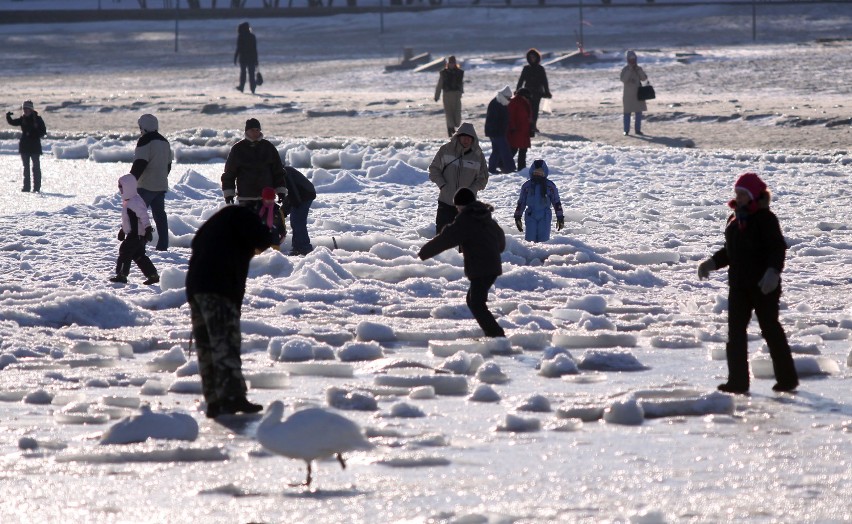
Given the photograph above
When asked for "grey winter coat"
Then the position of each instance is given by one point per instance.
(454, 168)
(631, 78)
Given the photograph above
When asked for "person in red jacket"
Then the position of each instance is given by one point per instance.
(754, 254)
(520, 119)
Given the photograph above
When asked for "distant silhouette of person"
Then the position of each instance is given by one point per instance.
(534, 78)
(632, 76)
(32, 131)
(451, 82)
(246, 53)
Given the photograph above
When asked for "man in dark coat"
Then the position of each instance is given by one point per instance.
(534, 78)
(754, 253)
(215, 285)
(252, 165)
(246, 53)
(300, 195)
(497, 129)
(32, 131)
(482, 241)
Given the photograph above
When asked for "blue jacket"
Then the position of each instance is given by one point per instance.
(538, 194)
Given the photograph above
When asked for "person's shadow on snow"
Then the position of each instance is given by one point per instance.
(667, 141)
(562, 137)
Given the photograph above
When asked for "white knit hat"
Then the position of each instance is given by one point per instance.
(148, 123)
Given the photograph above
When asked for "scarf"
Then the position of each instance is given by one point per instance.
(742, 213)
(267, 213)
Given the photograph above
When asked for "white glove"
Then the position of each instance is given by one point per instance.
(705, 268)
(770, 281)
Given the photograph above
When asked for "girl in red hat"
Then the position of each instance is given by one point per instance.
(754, 254)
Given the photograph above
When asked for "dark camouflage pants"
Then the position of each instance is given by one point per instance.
(216, 329)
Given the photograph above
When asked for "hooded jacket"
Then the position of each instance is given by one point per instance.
(250, 167)
(481, 239)
(497, 116)
(520, 113)
(222, 250)
(752, 244)
(152, 161)
(454, 167)
(246, 46)
(134, 212)
(32, 131)
(533, 76)
(538, 194)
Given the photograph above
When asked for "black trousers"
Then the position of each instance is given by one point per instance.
(445, 215)
(132, 249)
(477, 298)
(741, 303)
(246, 68)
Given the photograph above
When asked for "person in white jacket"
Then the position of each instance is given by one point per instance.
(632, 77)
(135, 232)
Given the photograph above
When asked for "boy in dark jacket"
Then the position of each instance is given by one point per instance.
(32, 131)
(300, 195)
(754, 252)
(482, 241)
(215, 285)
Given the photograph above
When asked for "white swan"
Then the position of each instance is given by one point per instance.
(309, 434)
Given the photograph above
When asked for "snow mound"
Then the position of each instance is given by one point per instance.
(147, 424)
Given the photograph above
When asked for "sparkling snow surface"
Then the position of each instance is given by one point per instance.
(601, 406)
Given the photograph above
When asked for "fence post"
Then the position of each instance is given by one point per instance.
(754, 20)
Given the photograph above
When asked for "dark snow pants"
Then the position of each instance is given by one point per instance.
(251, 78)
(477, 298)
(132, 249)
(445, 215)
(35, 158)
(741, 303)
(216, 329)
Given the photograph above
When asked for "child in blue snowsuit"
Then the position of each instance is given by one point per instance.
(538, 195)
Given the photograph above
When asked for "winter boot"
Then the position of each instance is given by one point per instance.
(736, 389)
(239, 405)
(119, 279)
(781, 387)
(152, 279)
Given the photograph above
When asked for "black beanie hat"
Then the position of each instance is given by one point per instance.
(463, 197)
(252, 123)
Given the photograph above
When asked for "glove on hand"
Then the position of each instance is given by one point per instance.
(560, 223)
(519, 225)
(121, 234)
(436, 99)
(705, 268)
(9, 113)
(229, 200)
(149, 234)
(770, 280)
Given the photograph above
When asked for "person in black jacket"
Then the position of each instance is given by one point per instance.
(754, 253)
(215, 285)
(482, 241)
(300, 195)
(32, 131)
(246, 53)
(497, 129)
(253, 164)
(534, 78)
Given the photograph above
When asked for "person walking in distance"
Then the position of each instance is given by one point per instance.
(151, 166)
(246, 54)
(534, 78)
(458, 163)
(520, 118)
(632, 76)
(451, 83)
(32, 131)
(754, 253)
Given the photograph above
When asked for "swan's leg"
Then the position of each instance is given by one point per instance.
(340, 459)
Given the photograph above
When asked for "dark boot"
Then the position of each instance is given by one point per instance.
(736, 389)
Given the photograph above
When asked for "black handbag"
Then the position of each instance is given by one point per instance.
(646, 92)
(258, 79)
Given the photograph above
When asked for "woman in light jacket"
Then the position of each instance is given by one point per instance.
(632, 76)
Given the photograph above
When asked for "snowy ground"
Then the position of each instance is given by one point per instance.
(616, 289)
